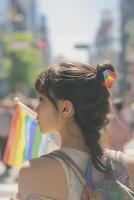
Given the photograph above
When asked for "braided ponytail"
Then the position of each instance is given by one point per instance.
(90, 122)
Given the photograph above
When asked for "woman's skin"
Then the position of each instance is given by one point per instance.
(61, 121)
(46, 176)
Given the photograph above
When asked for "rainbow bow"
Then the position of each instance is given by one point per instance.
(109, 78)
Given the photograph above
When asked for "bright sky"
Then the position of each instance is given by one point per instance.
(74, 21)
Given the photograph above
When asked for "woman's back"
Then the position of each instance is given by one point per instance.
(74, 185)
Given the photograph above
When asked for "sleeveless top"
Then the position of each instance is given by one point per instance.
(75, 187)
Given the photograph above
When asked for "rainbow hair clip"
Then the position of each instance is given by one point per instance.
(109, 78)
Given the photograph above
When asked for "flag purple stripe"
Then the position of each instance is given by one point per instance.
(31, 139)
(28, 122)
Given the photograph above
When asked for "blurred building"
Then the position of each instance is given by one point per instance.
(32, 16)
(104, 45)
(43, 40)
(103, 48)
(27, 18)
(17, 16)
(104, 39)
(127, 50)
(22, 16)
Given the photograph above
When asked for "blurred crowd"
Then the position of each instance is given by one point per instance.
(116, 135)
(120, 128)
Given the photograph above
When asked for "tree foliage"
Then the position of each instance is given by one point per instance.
(25, 60)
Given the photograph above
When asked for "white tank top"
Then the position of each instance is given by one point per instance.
(75, 187)
(81, 159)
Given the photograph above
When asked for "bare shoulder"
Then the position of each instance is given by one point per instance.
(43, 176)
(130, 166)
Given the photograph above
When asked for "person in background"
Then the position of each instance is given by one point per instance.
(6, 106)
(118, 132)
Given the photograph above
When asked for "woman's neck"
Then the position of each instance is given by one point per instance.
(72, 137)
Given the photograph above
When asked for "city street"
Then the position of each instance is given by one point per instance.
(6, 190)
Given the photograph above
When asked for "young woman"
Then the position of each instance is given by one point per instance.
(74, 102)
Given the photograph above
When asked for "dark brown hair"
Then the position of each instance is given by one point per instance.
(83, 85)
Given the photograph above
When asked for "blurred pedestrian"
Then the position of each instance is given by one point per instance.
(6, 107)
(8, 175)
(5, 118)
(118, 132)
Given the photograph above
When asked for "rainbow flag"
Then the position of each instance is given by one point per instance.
(24, 138)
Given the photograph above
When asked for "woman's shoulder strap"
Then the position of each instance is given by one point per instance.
(69, 162)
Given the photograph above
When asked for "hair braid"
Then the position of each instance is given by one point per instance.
(90, 125)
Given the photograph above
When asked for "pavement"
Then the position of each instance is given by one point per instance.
(6, 190)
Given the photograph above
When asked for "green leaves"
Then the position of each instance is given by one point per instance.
(25, 60)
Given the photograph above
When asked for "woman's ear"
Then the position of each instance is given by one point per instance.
(66, 109)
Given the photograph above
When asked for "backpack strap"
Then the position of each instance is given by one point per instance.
(89, 173)
(69, 162)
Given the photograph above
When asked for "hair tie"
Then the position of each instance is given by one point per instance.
(107, 74)
(109, 78)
